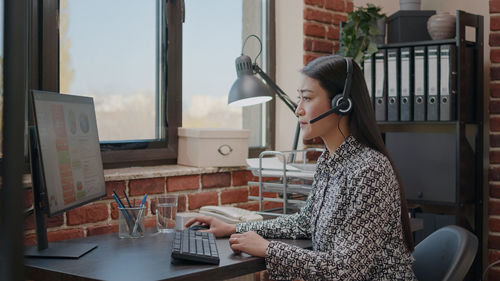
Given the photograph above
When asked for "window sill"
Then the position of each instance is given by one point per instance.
(162, 171)
(152, 172)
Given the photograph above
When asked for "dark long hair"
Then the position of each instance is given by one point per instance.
(330, 71)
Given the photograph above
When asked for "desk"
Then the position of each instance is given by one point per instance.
(147, 258)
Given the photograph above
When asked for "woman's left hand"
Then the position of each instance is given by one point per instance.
(250, 243)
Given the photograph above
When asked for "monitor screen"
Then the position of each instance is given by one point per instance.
(69, 151)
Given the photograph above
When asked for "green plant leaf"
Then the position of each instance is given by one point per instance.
(372, 48)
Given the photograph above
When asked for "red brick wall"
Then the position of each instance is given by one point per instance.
(494, 169)
(226, 188)
(321, 26)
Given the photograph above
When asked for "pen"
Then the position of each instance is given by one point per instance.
(127, 217)
(126, 197)
(140, 214)
(121, 203)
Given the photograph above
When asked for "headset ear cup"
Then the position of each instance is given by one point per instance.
(335, 100)
(346, 106)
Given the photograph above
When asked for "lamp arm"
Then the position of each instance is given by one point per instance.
(281, 94)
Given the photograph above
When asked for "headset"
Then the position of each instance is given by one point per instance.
(341, 103)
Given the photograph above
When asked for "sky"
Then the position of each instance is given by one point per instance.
(111, 51)
(116, 54)
(208, 56)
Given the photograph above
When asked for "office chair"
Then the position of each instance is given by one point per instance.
(446, 254)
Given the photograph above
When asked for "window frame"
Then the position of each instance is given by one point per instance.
(270, 69)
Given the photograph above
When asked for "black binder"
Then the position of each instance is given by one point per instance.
(406, 97)
(432, 84)
(368, 72)
(380, 90)
(392, 85)
(448, 74)
(419, 100)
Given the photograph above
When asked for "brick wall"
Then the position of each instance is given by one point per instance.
(321, 26)
(494, 168)
(195, 191)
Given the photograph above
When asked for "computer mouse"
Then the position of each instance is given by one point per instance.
(199, 227)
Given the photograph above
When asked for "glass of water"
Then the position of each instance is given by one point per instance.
(166, 210)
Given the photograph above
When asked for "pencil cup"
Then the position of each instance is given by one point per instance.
(131, 222)
(166, 209)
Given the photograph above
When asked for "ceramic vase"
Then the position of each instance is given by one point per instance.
(412, 5)
(441, 26)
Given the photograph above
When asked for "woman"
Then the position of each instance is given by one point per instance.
(356, 214)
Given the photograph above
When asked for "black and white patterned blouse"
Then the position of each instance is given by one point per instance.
(352, 216)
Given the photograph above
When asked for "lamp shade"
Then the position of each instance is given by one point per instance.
(247, 89)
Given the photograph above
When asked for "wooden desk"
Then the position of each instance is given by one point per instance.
(147, 258)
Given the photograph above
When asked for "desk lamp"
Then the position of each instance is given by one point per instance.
(249, 90)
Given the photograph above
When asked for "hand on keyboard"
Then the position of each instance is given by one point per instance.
(250, 243)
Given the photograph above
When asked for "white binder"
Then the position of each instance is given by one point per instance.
(406, 97)
(392, 85)
(380, 95)
(432, 85)
(419, 100)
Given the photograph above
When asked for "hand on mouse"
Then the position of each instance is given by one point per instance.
(217, 227)
(197, 227)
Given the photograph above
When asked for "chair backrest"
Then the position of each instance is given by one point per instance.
(446, 254)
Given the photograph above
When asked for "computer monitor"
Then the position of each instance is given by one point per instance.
(66, 164)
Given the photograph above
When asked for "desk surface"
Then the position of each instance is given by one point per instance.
(147, 258)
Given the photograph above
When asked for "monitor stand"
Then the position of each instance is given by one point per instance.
(71, 250)
(44, 249)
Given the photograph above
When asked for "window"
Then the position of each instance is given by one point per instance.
(213, 35)
(108, 50)
(115, 51)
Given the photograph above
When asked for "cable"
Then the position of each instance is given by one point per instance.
(338, 126)
(489, 266)
(260, 43)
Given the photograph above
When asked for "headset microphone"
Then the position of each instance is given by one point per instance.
(341, 103)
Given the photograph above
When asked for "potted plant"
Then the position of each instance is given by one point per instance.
(358, 34)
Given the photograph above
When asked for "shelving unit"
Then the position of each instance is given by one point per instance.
(441, 162)
(292, 179)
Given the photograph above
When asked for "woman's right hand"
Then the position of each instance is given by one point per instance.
(217, 227)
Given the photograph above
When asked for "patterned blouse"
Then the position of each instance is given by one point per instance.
(352, 216)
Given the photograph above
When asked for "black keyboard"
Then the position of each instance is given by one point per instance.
(195, 246)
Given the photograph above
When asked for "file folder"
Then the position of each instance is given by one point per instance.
(406, 97)
(448, 76)
(432, 84)
(392, 85)
(380, 95)
(368, 72)
(419, 101)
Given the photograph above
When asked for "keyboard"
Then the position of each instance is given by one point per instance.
(195, 246)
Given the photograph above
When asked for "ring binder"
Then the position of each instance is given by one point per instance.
(448, 74)
(406, 97)
(432, 85)
(380, 90)
(419, 101)
(392, 85)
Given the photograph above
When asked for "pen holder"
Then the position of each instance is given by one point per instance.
(131, 222)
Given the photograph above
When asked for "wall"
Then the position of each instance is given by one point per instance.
(288, 64)
(203, 187)
(494, 138)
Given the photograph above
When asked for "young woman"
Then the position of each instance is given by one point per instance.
(356, 214)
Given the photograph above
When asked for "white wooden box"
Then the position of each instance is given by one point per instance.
(203, 147)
